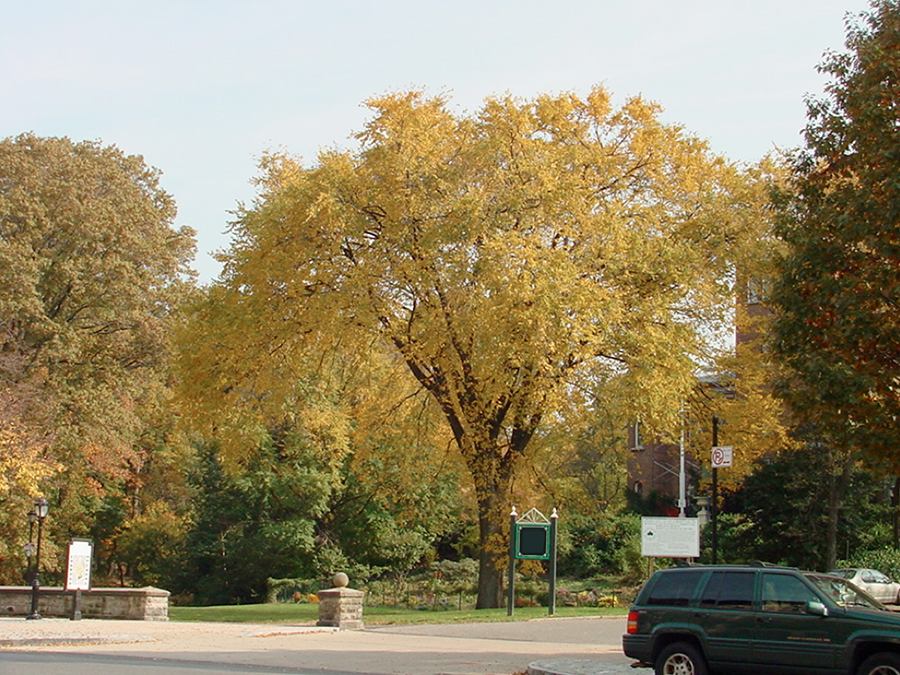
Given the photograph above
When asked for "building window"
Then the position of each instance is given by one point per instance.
(634, 437)
(758, 291)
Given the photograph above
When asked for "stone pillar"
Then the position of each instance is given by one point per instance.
(340, 606)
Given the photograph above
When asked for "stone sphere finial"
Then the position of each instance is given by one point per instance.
(340, 580)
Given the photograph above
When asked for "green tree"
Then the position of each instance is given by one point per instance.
(93, 270)
(505, 257)
(838, 323)
(252, 524)
(783, 510)
(152, 543)
(287, 511)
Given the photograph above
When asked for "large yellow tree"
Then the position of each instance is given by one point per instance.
(507, 257)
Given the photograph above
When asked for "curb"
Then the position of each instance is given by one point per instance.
(572, 667)
(68, 640)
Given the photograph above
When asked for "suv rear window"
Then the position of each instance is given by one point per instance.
(674, 588)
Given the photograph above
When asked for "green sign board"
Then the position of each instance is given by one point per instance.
(532, 541)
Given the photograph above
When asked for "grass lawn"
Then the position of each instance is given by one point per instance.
(373, 616)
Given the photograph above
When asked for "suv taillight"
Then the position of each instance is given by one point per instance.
(632, 622)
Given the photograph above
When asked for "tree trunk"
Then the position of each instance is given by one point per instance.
(490, 576)
(493, 488)
(837, 489)
(895, 512)
(489, 457)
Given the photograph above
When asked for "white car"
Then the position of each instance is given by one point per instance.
(874, 583)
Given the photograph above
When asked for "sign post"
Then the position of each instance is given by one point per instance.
(722, 456)
(511, 577)
(714, 507)
(551, 605)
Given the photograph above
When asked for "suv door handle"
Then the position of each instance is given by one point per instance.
(764, 619)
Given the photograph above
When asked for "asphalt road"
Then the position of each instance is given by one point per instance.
(51, 663)
(588, 646)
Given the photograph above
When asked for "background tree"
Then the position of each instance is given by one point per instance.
(93, 270)
(838, 322)
(781, 512)
(504, 257)
(838, 318)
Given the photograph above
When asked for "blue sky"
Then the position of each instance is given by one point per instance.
(202, 88)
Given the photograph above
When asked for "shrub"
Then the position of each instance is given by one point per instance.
(296, 590)
(886, 560)
(601, 546)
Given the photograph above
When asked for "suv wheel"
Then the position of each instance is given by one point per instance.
(883, 663)
(682, 658)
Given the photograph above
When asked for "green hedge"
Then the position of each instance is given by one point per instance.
(886, 560)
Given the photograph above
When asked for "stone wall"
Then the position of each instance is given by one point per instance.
(140, 604)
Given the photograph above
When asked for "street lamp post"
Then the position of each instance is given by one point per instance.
(41, 507)
(29, 546)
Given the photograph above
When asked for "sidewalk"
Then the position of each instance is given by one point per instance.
(585, 646)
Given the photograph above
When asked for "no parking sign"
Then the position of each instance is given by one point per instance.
(722, 456)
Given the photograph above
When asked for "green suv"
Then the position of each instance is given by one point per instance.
(759, 619)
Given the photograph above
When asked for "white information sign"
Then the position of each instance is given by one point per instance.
(670, 537)
(78, 576)
(722, 456)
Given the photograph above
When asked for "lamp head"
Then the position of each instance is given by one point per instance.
(41, 507)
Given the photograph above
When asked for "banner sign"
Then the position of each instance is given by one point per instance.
(78, 574)
(670, 537)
